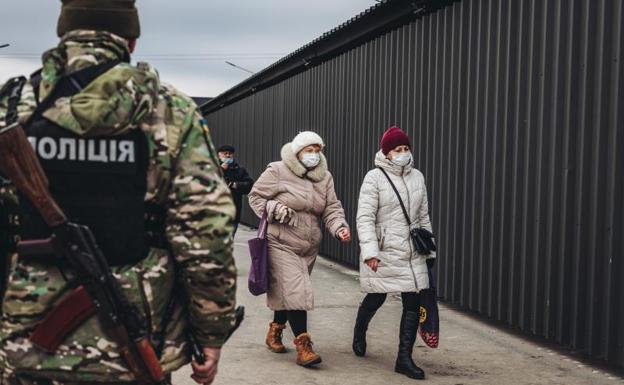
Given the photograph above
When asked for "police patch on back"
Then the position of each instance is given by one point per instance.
(61, 150)
(99, 182)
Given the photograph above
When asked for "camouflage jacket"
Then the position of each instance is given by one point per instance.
(183, 176)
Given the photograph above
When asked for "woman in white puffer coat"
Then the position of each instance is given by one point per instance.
(389, 263)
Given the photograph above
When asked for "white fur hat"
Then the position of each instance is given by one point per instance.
(305, 139)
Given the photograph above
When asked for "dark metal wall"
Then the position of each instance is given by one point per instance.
(516, 110)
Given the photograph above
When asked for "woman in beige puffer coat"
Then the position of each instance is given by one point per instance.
(296, 193)
(389, 262)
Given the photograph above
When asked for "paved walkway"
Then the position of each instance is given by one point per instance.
(470, 352)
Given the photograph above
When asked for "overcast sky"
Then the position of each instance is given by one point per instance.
(187, 40)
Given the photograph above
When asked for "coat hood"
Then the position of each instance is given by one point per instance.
(290, 159)
(386, 164)
(113, 103)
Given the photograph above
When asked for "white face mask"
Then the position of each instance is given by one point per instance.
(402, 159)
(311, 159)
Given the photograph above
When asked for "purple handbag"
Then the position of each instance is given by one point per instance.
(429, 328)
(258, 281)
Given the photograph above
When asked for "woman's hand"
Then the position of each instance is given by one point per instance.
(206, 373)
(344, 234)
(373, 263)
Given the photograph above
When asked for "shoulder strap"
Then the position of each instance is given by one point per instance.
(409, 223)
(71, 84)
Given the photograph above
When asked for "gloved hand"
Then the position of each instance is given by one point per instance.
(285, 214)
(431, 263)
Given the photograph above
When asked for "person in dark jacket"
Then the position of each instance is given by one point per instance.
(237, 178)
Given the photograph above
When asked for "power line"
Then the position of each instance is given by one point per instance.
(182, 55)
(239, 67)
(166, 58)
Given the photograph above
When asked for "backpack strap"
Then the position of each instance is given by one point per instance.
(409, 222)
(66, 86)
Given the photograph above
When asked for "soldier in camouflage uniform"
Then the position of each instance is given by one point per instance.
(183, 177)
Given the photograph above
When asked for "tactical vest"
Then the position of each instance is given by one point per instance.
(98, 181)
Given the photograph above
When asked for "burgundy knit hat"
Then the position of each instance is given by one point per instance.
(392, 138)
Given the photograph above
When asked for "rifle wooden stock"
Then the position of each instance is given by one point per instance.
(120, 336)
(19, 163)
(63, 319)
(140, 358)
(146, 351)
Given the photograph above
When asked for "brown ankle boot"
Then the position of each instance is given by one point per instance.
(274, 338)
(305, 355)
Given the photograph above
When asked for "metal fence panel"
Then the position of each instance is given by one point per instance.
(516, 113)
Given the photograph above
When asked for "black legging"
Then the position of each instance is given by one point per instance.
(373, 301)
(298, 320)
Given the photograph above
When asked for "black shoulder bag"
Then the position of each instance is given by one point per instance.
(422, 238)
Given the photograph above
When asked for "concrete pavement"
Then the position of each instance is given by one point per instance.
(470, 352)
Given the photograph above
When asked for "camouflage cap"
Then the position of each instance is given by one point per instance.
(116, 16)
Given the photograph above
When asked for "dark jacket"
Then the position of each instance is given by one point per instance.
(240, 184)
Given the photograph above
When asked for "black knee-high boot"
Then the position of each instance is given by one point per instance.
(407, 338)
(364, 317)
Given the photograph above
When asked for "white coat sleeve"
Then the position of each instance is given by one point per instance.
(366, 219)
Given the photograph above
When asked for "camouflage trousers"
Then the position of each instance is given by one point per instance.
(26, 380)
(32, 381)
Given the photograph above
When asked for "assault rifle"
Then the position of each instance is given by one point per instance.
(97, 290)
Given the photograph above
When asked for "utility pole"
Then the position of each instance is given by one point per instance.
(239, 67)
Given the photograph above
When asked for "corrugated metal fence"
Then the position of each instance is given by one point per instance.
(517, 117)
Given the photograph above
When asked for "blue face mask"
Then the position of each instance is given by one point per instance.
(402, 159)
(227, 160)
(311, 159)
